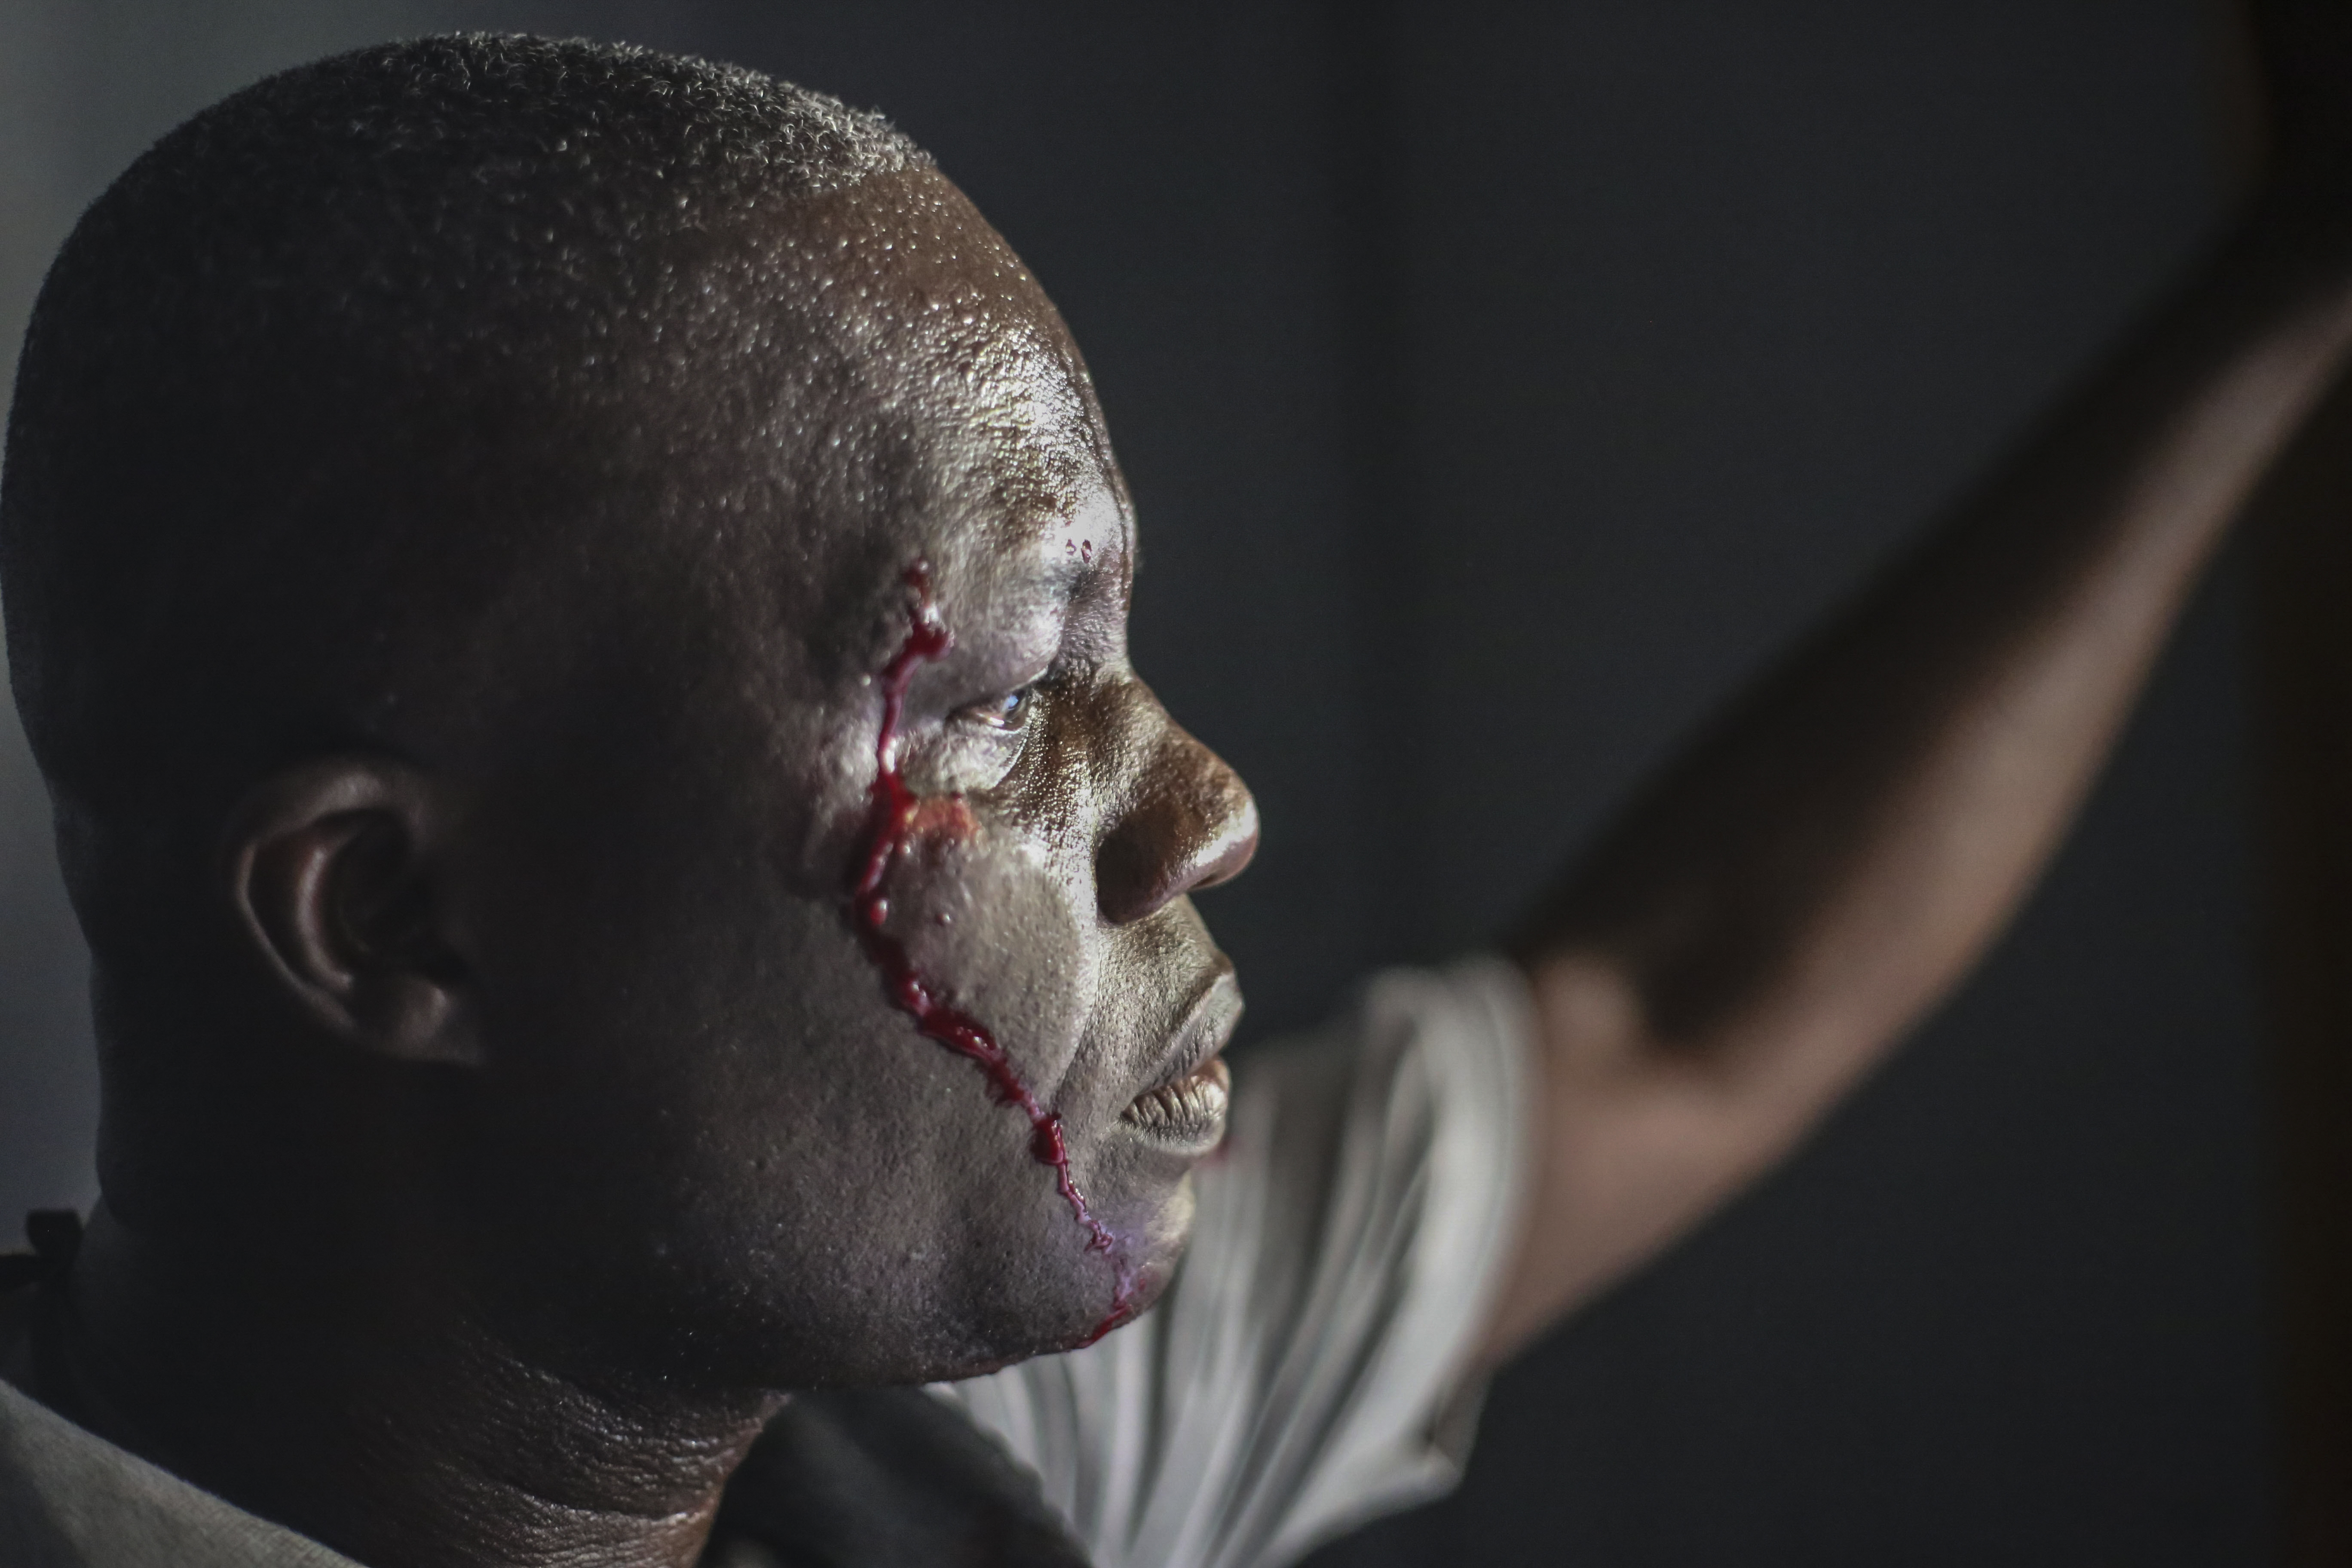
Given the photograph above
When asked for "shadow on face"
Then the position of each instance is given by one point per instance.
(465, 719)
(679, 1120)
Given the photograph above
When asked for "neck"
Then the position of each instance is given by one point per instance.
(362, 1403)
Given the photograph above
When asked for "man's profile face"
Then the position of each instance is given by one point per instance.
(703, 1107)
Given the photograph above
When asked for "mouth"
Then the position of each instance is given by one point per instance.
(1184, 1112)
(1187, 1114)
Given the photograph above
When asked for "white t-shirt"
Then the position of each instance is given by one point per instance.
(1310, 1367)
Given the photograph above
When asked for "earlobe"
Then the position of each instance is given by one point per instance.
(329, 868)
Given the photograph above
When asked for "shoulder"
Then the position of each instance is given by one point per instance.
(69, 1499)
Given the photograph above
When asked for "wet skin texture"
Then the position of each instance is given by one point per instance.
(711, 1101)
(898, 815)
(631, 676)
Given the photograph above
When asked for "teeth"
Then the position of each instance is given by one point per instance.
(1193, 1108)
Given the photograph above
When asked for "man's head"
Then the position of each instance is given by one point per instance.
(461, 497)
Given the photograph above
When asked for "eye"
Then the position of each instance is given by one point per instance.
(1010, 711)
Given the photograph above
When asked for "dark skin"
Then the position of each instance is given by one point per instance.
(588, 1130)
(576, 1027)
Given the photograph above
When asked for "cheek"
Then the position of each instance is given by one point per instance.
(1001, 926)
(800, 1161)
(804, 1175)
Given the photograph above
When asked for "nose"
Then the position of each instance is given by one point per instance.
(1189, 822)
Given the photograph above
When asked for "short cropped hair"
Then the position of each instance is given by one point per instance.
(268, 395)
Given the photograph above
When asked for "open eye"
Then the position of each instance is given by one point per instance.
(1010, 711)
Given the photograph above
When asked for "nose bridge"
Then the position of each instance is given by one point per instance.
(1185, 818)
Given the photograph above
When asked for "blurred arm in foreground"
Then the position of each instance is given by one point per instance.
(1831, 855)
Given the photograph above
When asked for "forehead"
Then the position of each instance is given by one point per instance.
(925, 398)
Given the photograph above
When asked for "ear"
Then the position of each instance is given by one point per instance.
(330, 868)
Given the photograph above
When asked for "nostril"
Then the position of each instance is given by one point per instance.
(1126, 884)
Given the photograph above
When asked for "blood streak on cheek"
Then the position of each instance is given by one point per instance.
(895, 815)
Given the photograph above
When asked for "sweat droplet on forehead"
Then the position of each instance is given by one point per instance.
(955, 333)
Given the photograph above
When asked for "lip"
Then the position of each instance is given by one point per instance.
(1183, 1109)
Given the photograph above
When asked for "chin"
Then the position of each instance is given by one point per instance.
(1098, 1294)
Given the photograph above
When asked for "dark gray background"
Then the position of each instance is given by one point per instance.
(1501, 385)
